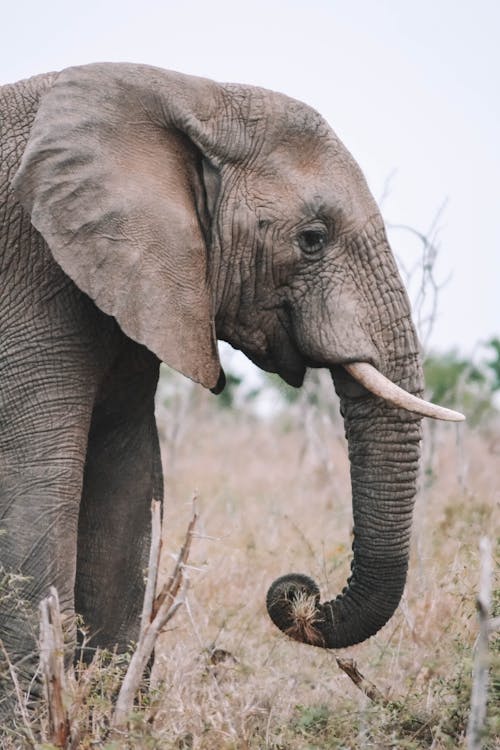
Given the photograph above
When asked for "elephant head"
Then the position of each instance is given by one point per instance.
(192, 211)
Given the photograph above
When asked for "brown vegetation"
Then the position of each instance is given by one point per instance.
(274, 497)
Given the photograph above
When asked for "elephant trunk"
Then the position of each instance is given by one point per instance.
(383, 452)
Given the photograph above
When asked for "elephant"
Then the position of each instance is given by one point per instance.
(145, 215)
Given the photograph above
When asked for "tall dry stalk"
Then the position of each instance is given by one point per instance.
(480, 679)
(52, 668)
(157, 611)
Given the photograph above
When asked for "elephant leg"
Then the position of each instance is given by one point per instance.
(42, 454)
(122, 474)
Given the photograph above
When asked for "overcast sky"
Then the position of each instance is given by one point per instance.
(413, 90)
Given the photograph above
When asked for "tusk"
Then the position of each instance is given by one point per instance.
(379, 385)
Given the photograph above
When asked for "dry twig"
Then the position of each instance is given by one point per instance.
(425, 301)
(21, 699)
(52, 668)
(480, 677)
(372, 692)
(154, 561)
(156, 613)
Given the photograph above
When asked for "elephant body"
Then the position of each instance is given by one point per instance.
(146, 214)
(79, 451)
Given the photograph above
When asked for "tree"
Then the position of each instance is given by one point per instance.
(458, 382)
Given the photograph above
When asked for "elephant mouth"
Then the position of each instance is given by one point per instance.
(282, 358)
(373, 381)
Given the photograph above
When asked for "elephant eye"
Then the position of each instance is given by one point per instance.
(311, 241)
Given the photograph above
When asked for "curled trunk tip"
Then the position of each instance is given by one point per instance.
(293, 605)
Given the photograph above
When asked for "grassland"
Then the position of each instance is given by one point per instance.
(274, 497)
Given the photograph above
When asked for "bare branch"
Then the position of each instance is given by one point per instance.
(156, 613)
(372, 692)
(52, 668)
(386, 189)
(171, 588)
(154, 560)
(425, 300)
(480, 678)
(21, 702)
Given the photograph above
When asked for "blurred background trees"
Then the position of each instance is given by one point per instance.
(469, 384)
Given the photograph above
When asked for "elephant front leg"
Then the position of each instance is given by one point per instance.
(122, 474)
(39, 501)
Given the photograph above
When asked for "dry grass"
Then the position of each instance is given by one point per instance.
(269, 505)
(274, 498)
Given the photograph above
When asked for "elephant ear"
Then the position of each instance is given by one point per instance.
(112, 177)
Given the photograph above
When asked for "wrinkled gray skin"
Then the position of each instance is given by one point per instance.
(144, 215)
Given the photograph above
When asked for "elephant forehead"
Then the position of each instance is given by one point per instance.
(308, 187)
(313, 162)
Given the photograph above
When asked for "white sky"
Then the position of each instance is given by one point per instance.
(408, 86)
